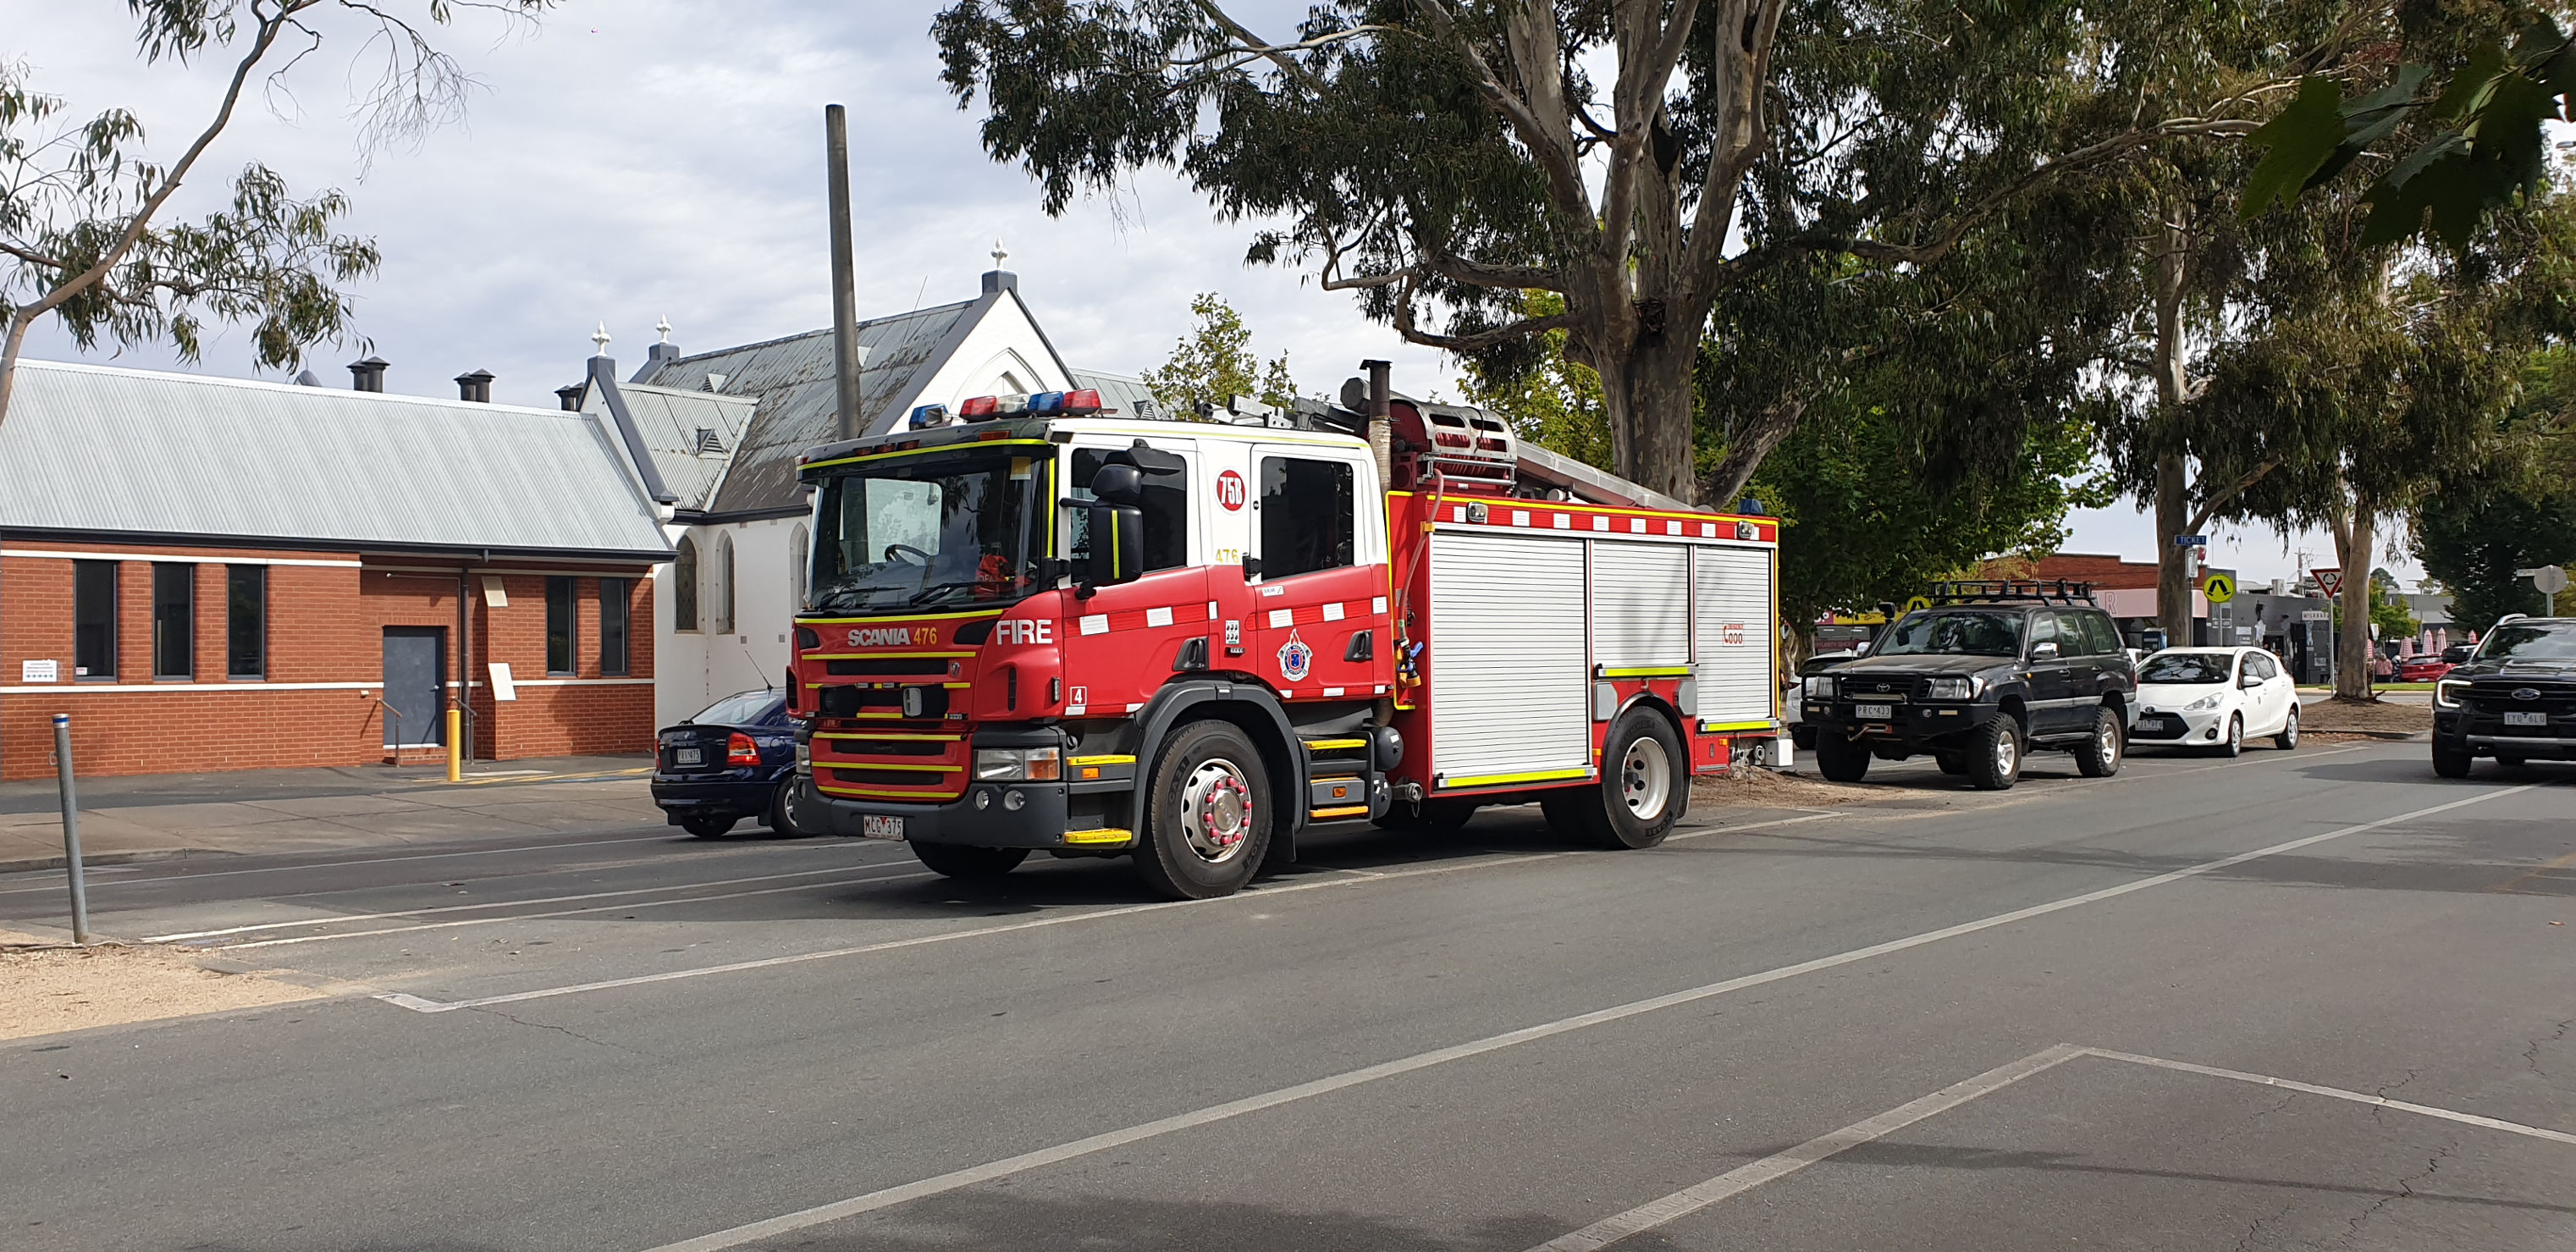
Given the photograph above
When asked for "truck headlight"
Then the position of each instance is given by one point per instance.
(1954, 688)
(1821, 686)
(2205, 702)
(804, 757)
(2447, 692)
(1019, 764)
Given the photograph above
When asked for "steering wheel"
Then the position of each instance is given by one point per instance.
(919, 557)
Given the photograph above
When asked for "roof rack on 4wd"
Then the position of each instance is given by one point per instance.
(1997, 590)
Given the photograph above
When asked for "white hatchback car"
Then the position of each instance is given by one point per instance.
(2215, 698)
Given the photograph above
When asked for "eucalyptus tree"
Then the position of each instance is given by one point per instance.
(1637, 159)
(83, 230)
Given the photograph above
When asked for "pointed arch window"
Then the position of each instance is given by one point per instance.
(684, 586)
(724, 585)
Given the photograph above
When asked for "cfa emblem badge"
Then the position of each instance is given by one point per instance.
(1747, 531)
(1295, 658)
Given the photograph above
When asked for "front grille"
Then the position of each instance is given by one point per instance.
(883, 747)
(888, 777)
(1874, 690)
(894, 665)
(2496, 698)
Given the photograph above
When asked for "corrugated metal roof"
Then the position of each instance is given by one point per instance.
(1122, 395)
(792, 380)
(93, 448)
(691, 435)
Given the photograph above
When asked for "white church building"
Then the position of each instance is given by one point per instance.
(720, 433)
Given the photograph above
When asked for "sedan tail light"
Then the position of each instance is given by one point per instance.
(740, 750)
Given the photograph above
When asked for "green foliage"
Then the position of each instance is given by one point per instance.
(2481, 143)
(2387, 611)
(2517, 510)
(1214, 363)
(1553, 402)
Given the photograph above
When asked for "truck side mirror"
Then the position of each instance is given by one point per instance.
(1117, 552)
(1119, 484)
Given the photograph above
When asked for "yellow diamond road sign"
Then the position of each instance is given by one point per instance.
(1918, 602)
(2220, 588)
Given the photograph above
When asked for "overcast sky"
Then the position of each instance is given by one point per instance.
(632, 160)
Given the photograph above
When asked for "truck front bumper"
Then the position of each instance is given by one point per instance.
(984, 817)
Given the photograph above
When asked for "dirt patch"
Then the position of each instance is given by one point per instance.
(1770, 789)
(2376, 717)
(44, 990)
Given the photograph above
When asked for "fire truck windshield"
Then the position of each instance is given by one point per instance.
(940, 528)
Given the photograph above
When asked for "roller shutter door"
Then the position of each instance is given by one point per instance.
(1640, 604)
(1506, 680)
(1736, 639)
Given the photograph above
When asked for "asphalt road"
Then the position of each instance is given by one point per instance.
(2309, 999)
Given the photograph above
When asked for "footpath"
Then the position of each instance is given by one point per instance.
(164, 816)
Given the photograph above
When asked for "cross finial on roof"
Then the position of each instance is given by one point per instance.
(601, 337)
(664, 326)
(999, 254)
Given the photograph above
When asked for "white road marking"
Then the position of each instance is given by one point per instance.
(1779, 1165)
(419, 1005)
(489, 904)
(819, 1214)
(373, 860)
(530, 917)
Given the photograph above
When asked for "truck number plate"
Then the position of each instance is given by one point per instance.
(1874, 712)
(877, 827)
(688, 756)
(2526, 719)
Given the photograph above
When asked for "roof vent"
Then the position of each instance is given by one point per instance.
(714, 382)
(475, 388)
(708, 443)
(571, 395)
(369, 374)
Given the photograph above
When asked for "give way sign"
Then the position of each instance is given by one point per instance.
(2329, 582)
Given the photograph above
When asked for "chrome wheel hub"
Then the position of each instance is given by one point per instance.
(1216, 810)
(2007, 754)
(2110, 745)
(1646, 779)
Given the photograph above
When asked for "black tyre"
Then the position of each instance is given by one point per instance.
(708, 827)
(960, 861)
(1951, 763)
(1207, 814)
(1994, 754)
(782, 809)
(2451, 762)
(2288, 739)
(2099, 755)
(1840, 759)
(1645, 785)
(2234, 743)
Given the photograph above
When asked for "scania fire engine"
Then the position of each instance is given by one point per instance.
(1036, 626)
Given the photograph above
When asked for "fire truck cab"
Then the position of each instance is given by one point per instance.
(1034, 626)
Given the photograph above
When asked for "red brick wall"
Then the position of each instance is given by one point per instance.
(325, 625)
(2106, 572)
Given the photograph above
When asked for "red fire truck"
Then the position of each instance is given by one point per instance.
(1036, 626)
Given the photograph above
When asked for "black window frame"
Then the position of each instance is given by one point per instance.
(616, 627)
(95, 612)
(246, 622)
(563, 624)
(174, 634)
(1308, 524)
(1166, 506)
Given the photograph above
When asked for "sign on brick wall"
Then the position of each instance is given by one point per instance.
(38, 672)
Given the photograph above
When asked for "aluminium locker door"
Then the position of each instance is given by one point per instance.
(1736, 635)
(1505, 666)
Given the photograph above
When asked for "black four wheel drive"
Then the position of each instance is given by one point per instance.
(1978, 680)
(2515, 700)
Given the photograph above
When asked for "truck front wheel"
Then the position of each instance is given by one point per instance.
(957, 860)
(1207, 815)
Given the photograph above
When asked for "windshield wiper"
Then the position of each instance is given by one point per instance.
(935, 588)
(840, 598)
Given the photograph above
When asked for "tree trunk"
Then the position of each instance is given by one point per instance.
(2352, 637)
(1649, 396)
(15, 341)
(2173, 388)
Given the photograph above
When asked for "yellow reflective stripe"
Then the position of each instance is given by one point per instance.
(1489, 780)
(886, 734)
(906, 617)
(1647, 671)
(1335, 745)
(1099, 836)
(1325, 814)
(1708, 727)
(874, 793)
(882, 656)
(1101, 760)
(829, 763)
(960, 446)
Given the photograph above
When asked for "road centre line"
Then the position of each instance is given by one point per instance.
(593, 908)
(421, 1005)
(971, 1175)
(56, 887)
(1779, 1165)
(491, 904)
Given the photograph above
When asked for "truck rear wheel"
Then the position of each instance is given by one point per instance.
(1645, 786)
(958, 860)
(1840, 759)
(1207, 814)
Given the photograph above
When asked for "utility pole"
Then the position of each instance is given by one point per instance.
(845, 299)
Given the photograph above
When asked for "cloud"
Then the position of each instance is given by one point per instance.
(624, 162)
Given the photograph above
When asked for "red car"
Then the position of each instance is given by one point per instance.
(2421, 669)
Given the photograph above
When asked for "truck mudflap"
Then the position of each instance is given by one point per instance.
(985, 817)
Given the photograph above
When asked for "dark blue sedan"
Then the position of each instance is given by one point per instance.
(735, 759)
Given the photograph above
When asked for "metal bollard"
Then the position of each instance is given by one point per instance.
(455, 745)
(71, 826)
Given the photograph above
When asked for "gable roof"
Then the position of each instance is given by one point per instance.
(101, 450)
(792, 381)
(1122, 394)
(677, 426)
